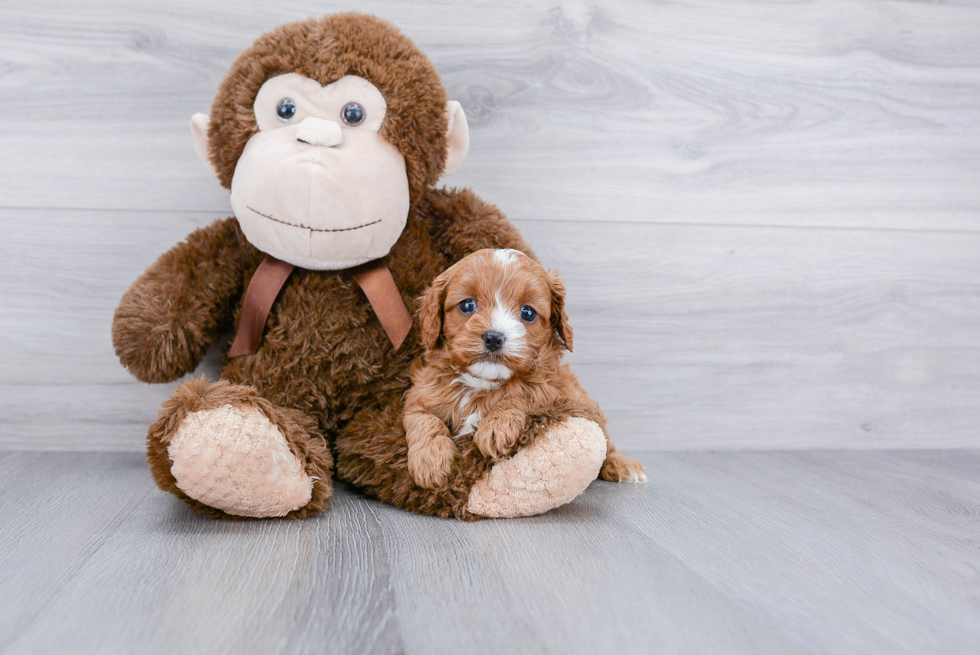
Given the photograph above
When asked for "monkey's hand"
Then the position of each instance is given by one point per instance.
(172, 313)
(499, 431)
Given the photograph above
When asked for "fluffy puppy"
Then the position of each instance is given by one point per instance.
(494, 330)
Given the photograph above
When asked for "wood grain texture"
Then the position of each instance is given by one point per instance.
(802, 113)
(810, 552)
(766, 213)
(690, 337)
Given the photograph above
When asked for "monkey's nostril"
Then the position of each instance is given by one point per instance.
(493, 341)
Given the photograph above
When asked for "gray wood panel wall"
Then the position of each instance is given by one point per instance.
(768, 214)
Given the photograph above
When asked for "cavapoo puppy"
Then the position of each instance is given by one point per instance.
(494, 330)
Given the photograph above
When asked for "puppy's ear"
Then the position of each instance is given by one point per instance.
(559, 319)
(431, 311)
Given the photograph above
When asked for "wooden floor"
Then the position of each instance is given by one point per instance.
(765, 552)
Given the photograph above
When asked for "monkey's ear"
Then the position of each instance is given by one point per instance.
(199, 130)
(457, 137)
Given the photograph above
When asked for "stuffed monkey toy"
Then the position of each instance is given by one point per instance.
(330, 134)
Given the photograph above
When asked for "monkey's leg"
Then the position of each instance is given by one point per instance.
(557, 457)
(229, 453)
(552, 471)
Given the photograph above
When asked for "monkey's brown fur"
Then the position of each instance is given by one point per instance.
(325, 50)
(325, 370)
(301, 432)
(324, 354)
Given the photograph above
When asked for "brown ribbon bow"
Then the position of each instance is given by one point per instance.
(375, 281)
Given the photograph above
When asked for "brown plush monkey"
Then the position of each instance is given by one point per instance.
(330, 134)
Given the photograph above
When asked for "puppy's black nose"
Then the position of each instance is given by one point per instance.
(492, 341)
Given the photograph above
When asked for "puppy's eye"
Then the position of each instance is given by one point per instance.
(352, 113)
(528, 314)
(286, 109)
(468, 306)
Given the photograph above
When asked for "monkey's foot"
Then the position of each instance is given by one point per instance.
(227, 451)
(552, 471)
(234, 459)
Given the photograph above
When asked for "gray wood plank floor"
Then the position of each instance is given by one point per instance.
(765, 552)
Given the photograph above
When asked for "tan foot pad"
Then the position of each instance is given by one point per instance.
(554, 470)
(234, 459)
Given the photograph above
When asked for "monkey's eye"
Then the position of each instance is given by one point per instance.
(528, 314)
(286, 109)
(352, 113)
(468, 306)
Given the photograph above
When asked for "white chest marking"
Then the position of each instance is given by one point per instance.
(469, 425)
(474, 383)
(490, 372)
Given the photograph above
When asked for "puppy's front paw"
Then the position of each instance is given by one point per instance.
(498, 433)
(431, 461)
(622, 468)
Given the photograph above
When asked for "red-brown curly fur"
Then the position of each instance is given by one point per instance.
(467, 387)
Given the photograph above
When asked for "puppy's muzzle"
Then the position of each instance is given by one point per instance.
(493, 341)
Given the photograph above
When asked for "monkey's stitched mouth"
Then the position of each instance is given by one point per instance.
(312, 229)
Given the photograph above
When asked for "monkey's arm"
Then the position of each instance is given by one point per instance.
(181, 305)
(463, 223)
